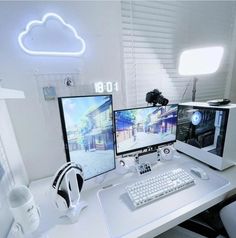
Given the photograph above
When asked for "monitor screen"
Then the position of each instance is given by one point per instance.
(140, 128)
(87, 126)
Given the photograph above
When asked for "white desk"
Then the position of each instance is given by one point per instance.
(92, 222)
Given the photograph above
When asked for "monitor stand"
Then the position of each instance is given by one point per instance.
(150, 156)
(135, 162)
(145, 159)
(72, 215)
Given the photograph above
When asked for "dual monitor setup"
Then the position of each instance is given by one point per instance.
(93, 133)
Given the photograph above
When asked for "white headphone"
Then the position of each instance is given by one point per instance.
(67, 184)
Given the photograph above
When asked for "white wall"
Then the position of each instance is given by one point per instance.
(36, 122)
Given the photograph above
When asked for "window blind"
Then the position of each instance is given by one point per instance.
(156, 32)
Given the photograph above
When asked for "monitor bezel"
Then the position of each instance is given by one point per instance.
(145, 147)
(63, 126)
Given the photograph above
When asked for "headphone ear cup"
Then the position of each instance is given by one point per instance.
(63, 200)
(79, 181)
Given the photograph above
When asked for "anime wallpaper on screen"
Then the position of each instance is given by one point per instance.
(142, 127)
(89, 132)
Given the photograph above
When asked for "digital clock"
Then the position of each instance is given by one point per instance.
(106, 87)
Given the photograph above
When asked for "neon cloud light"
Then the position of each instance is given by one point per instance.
(34, 23)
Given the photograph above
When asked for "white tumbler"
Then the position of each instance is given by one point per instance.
(23, 208)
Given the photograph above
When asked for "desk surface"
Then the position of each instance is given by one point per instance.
(92, 222)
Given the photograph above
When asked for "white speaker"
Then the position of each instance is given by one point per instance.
(167, 152)
(23, 209)
(125, 165)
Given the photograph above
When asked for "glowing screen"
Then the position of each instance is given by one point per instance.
(88, 132)
(139, 128)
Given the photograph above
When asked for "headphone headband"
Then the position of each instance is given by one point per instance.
(59, 172)
(63, 170)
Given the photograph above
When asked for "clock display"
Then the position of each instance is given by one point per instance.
(107, 87)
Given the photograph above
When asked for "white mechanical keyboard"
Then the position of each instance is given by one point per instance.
(156, 187)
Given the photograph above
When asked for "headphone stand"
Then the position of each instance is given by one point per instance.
(72, 216)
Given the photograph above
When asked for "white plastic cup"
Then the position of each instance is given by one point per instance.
(23, 208)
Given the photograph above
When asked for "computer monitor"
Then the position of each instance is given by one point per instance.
(145, 127)
(87, 125)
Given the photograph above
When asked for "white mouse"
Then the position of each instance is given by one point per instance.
(200, 172)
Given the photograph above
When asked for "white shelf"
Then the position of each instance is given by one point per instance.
(11, 93)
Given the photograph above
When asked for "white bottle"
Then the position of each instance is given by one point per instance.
(23, 208)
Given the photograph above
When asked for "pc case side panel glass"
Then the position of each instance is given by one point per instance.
(88, 133)
(204, 128)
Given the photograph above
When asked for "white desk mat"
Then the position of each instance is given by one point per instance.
(122, 218)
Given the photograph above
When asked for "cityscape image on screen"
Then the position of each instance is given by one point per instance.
(143, 127)
(88, 132)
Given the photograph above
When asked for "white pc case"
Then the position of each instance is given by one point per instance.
(207, 133)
